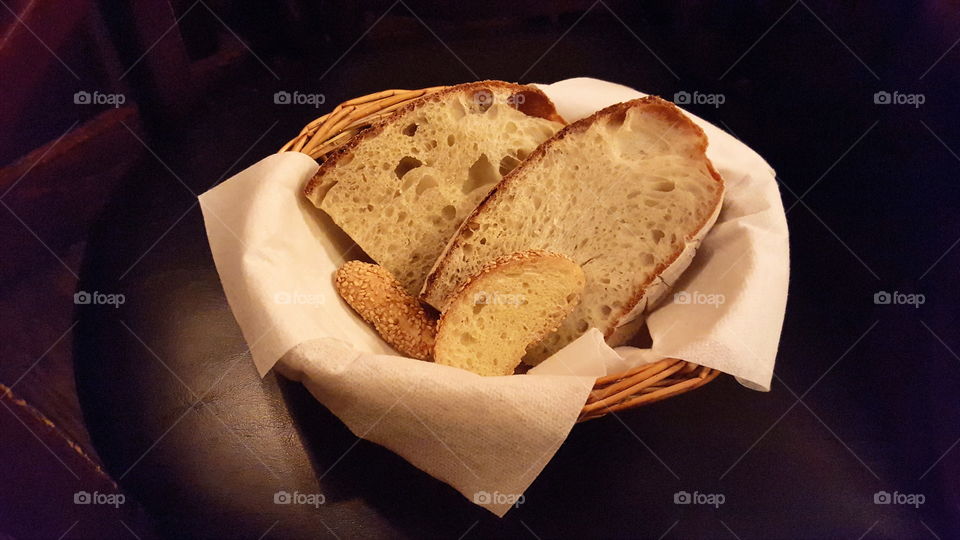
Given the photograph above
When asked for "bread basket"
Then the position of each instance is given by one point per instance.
(632, 388)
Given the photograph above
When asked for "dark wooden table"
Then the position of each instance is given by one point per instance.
(865, 395)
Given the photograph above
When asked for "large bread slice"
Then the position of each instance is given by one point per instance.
(511, 304)
(627, 193)
(401, 188)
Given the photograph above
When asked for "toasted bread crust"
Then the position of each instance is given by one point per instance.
(654, 104)
(540, 106)
(382, 302)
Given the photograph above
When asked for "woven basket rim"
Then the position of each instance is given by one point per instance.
(635, 387)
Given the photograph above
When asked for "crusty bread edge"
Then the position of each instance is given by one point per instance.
(331, 159)
(625, 328)
(656, 283)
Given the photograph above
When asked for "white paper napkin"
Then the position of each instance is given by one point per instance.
(488, 437)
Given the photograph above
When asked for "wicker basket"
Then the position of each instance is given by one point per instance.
(635, 387)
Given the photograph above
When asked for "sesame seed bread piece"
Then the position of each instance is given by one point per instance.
(401, 188)
(382, 302)
(512, 303)
(628, 193)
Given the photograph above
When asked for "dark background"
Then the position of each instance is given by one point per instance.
(102, 198)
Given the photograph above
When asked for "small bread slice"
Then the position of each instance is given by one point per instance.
(401, 188)
(380, 300)
(509, 305)
(628, 193)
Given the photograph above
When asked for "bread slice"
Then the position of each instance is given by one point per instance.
(381, 301)
(511, 303)
(401, 188)
(627, 193)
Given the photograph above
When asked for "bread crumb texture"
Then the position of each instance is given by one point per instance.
(510, 304)
(402, 193)
(620, 193)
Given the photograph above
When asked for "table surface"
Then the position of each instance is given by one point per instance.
(864, 398)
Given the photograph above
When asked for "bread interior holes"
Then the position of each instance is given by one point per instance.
(617, 119)
(410, 130)
(457, 109)
(664, 186)
(406, 164)
(426, 182)
(507, 164)
(481, 174)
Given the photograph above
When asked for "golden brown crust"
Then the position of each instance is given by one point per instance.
(382, 302)
(656, 105)
(535, 103)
